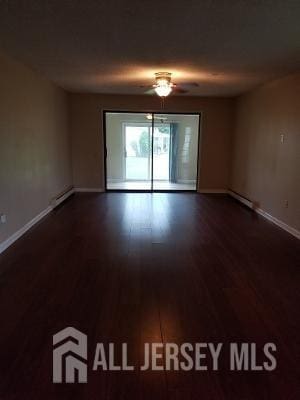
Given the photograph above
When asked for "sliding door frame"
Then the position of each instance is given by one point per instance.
(104, 112)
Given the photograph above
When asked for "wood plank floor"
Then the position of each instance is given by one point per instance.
(139, 268)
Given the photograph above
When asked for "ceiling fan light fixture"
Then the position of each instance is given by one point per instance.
(163, 86)
(163, 90)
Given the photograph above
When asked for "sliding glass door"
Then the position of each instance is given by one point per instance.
(175, 151)
(128, 151)
(150, 151)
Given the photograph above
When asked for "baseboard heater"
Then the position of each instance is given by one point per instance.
(255, 207)
(242, 199)
(20, 232)
(62, 197)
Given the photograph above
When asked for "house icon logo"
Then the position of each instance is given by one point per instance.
(69, 356)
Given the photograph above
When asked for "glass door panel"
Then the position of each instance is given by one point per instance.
(128, 144)
(137, 152)
(161, 152)
(175, 151)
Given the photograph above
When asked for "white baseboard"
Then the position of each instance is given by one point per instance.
(212, 191)
(9, 241)
(279, 223)
(89, 190)
(15, 236)
(266, 215)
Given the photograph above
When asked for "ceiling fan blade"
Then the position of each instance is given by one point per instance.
(189, 85)
(179, 90)
(149, 91)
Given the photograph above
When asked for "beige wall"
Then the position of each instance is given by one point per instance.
(35, 159)
(264, 169)
(87, 134)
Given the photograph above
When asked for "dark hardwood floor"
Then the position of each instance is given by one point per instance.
(140, 268)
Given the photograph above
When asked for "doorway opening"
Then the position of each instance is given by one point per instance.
(150, 151)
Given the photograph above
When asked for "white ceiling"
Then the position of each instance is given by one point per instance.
(114, 46)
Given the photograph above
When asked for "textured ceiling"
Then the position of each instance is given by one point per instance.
(114, 46)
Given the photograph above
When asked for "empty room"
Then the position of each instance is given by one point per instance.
(149, 200)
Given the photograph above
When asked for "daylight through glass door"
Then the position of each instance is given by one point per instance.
(150, 151)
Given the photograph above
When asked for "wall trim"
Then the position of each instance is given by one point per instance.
(15, 236)
(88, 190)
(207, 191)
(266, 215)
(278, 222)
(20, 232)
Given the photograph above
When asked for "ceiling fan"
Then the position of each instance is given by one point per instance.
(160, 118)
(164, 86)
